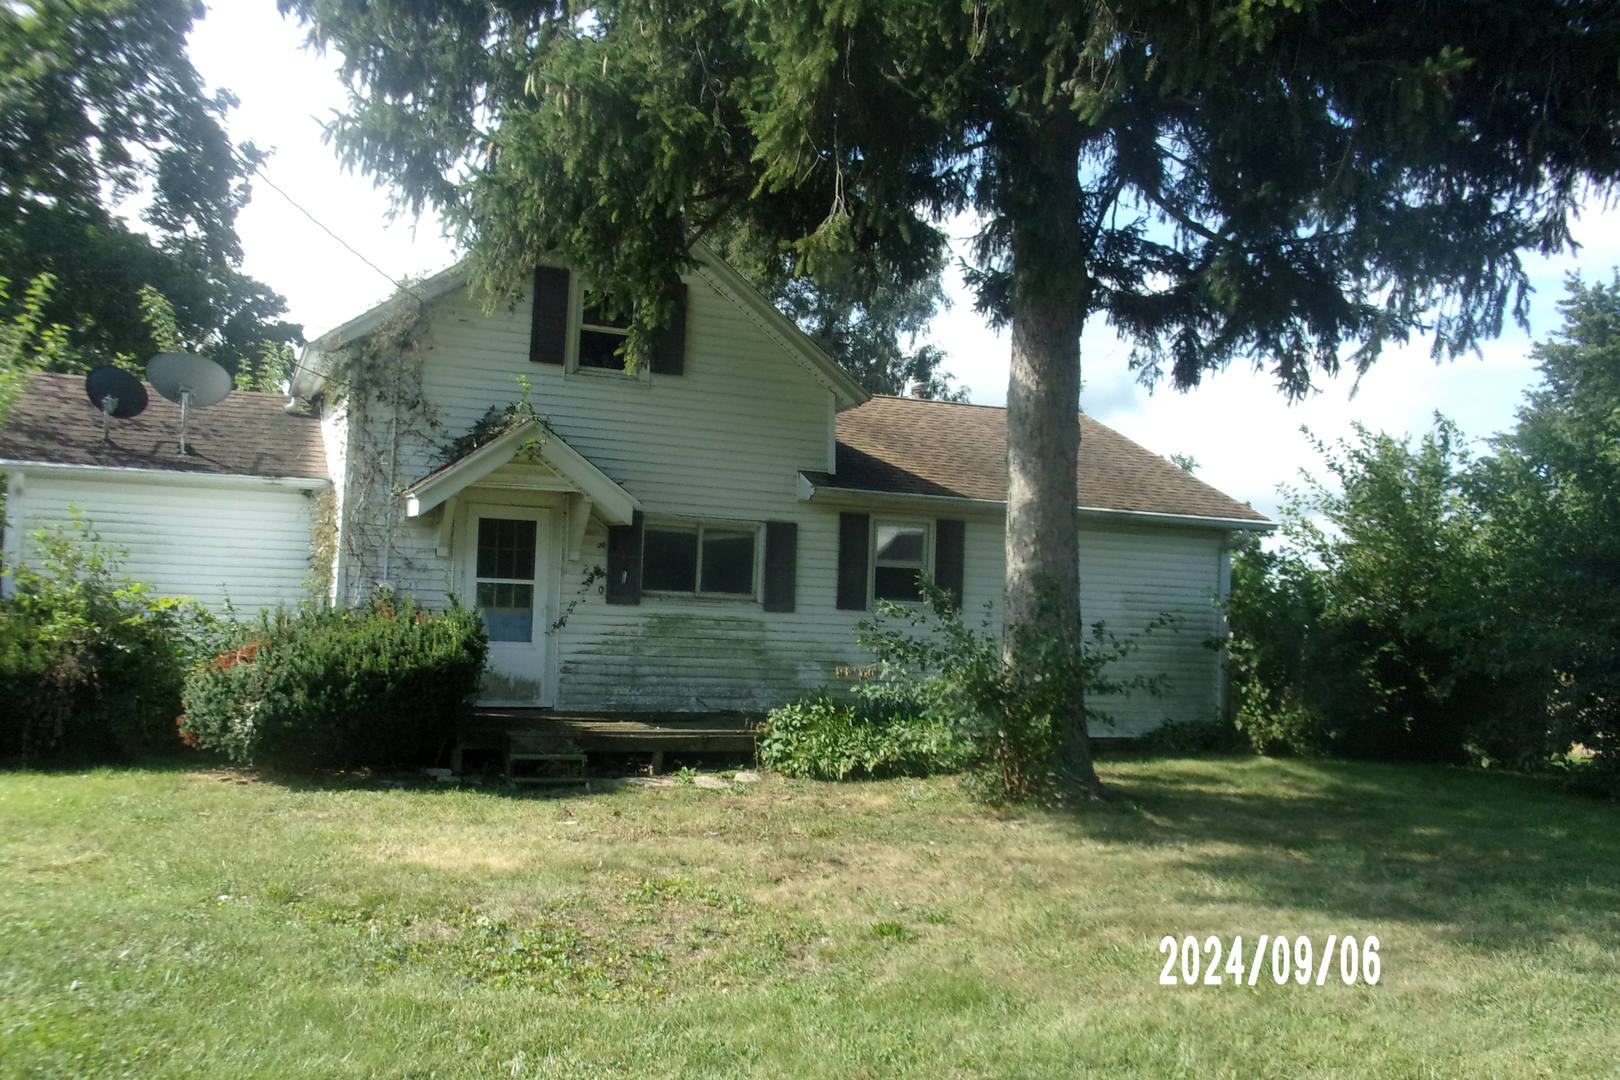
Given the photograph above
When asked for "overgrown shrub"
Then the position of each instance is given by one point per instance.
(91, 663)
(943, 696)
(318, 687)
(1381, 629)
(823, 739)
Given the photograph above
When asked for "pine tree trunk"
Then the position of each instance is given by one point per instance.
(1050, 290)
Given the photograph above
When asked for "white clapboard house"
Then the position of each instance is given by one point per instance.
(702, 535)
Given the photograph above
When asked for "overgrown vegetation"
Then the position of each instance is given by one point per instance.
(945, 696)
(1430, 606)
(91, 663)
(320, 687)
(823, 739)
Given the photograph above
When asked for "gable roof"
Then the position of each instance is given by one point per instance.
(309, 372)
(907, 446)
(614, 505)
(247, 434)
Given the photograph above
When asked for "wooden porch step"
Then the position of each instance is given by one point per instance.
(515, 733)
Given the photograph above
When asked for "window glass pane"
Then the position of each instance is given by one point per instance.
(896, 583)
(900, 544)
(594, 314)
(508, 610)
(597, 349)
(728, 561)
(506, 548)
(669, 560)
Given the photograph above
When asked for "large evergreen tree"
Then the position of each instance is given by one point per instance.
(1294, 183)
(101, 111)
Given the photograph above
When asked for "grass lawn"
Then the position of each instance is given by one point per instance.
(166, 922)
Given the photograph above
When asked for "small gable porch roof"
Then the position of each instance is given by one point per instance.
(610, 501)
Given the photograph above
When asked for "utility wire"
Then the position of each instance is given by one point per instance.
(396, 282)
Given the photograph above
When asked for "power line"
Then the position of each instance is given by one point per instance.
(396, 282)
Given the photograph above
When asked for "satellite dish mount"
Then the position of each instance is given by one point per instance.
(118, 394)
(189, 381)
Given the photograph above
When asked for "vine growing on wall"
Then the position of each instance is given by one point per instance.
(378, 380)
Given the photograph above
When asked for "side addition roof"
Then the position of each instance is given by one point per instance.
(247, 434)
(907, 446)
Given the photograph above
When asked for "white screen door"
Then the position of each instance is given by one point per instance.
(506, 574)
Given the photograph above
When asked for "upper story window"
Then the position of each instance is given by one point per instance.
(899, 554)
(601, 336)
(702, 559)
(570, 329)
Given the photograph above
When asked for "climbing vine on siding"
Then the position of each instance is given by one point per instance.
(378, 381)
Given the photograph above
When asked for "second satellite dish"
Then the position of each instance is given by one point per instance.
(189, 380)
(118, 394)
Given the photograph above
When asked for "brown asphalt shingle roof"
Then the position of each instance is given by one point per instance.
(909, 446)
(247, 434)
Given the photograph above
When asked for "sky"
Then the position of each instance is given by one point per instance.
(1244, 437)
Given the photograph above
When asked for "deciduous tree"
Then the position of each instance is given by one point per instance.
(102, 112)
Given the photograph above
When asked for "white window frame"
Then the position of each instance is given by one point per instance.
(927, 567)
(698, 525)
(577, 326)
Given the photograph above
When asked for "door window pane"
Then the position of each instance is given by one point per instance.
(669, 560)
(506, 548)
(508, 610)
(728, 561)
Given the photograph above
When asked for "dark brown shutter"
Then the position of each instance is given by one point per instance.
(781, 564)
(854, 542)
(948, 552)
(548, 328)
(669, 351)
(624, 562)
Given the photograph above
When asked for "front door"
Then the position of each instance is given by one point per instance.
(507, 558)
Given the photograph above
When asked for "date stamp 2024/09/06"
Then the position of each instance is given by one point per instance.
(1213, 962)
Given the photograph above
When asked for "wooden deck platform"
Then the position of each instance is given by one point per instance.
(549, 733)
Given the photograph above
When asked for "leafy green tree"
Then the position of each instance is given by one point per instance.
(1383, 627)
(101, 110)
(1553, 491)
(1234, 180)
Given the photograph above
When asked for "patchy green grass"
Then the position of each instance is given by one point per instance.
(154, 923)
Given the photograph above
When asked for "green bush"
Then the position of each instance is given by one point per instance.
(318, 687)
(823, 739)
(942, 698)
(91, 663)
(1009, 713)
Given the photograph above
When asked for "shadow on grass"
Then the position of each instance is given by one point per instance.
(1499, 860)
(332, 780)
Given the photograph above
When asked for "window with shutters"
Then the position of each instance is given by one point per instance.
(572, 328)
(707, 558)
(899, 554)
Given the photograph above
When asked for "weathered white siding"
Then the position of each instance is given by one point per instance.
(235, 542)
(723, 441)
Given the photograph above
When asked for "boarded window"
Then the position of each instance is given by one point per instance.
(703, 559)
(899, 555)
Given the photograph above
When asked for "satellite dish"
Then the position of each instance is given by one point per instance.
(118, 394)
(189, 380)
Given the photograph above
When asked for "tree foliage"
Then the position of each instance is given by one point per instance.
(1553, 491)
(1381, 628)
(1276, 183)
(1428, 605)
(102, 113)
